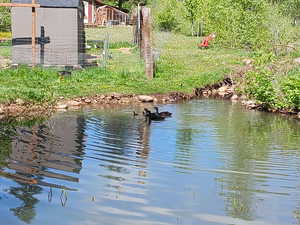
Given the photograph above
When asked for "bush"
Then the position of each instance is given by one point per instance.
(165, 15)
(249, 23)
(274, 91)
(259, 85)
(290, 87)
(5, 21)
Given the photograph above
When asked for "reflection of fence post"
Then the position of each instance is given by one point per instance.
(146, 42)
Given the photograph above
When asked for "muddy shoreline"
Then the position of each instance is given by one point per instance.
(22, 110)
(221, 90)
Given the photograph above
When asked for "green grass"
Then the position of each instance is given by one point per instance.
(181, 67)
(116, 34)
(5, 51)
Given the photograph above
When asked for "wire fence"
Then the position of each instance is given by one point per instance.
(59, 51)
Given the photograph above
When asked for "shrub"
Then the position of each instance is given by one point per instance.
(5, 21)
(290, 87)
(165, 15)
(259, 86)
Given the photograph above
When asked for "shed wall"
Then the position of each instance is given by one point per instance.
(61, 25)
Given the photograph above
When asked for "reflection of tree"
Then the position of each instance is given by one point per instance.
(7, 130)
(250, 140)
(5, 148)
(184, 139)
(247, 141)
(25, 212)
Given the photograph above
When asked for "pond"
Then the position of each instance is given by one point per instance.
(212, 163)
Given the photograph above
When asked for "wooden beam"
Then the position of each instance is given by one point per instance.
(20, 5)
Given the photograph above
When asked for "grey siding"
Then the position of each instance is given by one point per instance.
(61, 25)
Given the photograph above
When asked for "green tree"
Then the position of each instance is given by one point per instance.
(192, 12)
(291, 8)
(5, 21)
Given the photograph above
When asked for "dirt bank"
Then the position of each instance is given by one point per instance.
(23, 109)
(225, 89)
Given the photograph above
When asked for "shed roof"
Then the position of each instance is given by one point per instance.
(114, 8)
(53, 3)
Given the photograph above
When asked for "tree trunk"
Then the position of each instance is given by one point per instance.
(192, 28)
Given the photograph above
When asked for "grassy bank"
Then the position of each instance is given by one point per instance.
(274, 81)
(181, 67)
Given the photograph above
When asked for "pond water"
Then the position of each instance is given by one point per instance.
(211, 163)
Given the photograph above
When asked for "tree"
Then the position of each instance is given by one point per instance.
(5, 22)
(126, 4)
(192, 9)
(291, 8)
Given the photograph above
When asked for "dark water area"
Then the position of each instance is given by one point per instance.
(211, 163)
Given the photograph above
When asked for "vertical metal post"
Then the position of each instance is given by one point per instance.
(42, 43)
(33, 34)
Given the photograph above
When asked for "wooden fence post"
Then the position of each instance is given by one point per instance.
(146, 42)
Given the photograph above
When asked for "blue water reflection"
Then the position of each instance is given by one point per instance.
(211, 163)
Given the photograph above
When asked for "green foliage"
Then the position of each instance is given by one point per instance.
(262, 57)
(274, 90)
(259, 86)
(165, 18)
(181, 67)
(126, 4)
(5, 21)
(281, 31)
(5, 43)
(290, 87)
(249, 23)
(290, 8)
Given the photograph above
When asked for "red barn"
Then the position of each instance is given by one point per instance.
(99, 14)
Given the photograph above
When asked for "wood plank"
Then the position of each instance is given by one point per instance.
(20, 5)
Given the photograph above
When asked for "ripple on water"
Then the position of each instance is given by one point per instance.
(211, 163)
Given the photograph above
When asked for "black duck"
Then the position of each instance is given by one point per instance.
(162, 114)
(152, 116)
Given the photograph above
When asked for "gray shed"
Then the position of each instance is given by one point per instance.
(60, 33)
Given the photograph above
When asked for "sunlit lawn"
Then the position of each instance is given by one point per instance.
(181, 66)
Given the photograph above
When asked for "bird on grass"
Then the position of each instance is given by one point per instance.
(162, 114)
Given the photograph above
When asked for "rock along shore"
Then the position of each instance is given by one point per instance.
(22, 109)
(222, 90)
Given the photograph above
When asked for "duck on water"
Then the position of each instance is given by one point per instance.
(155, 115)
(163, 114)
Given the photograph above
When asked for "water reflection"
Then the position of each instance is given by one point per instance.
(48, 151)
(210, 163)
(253, 149)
